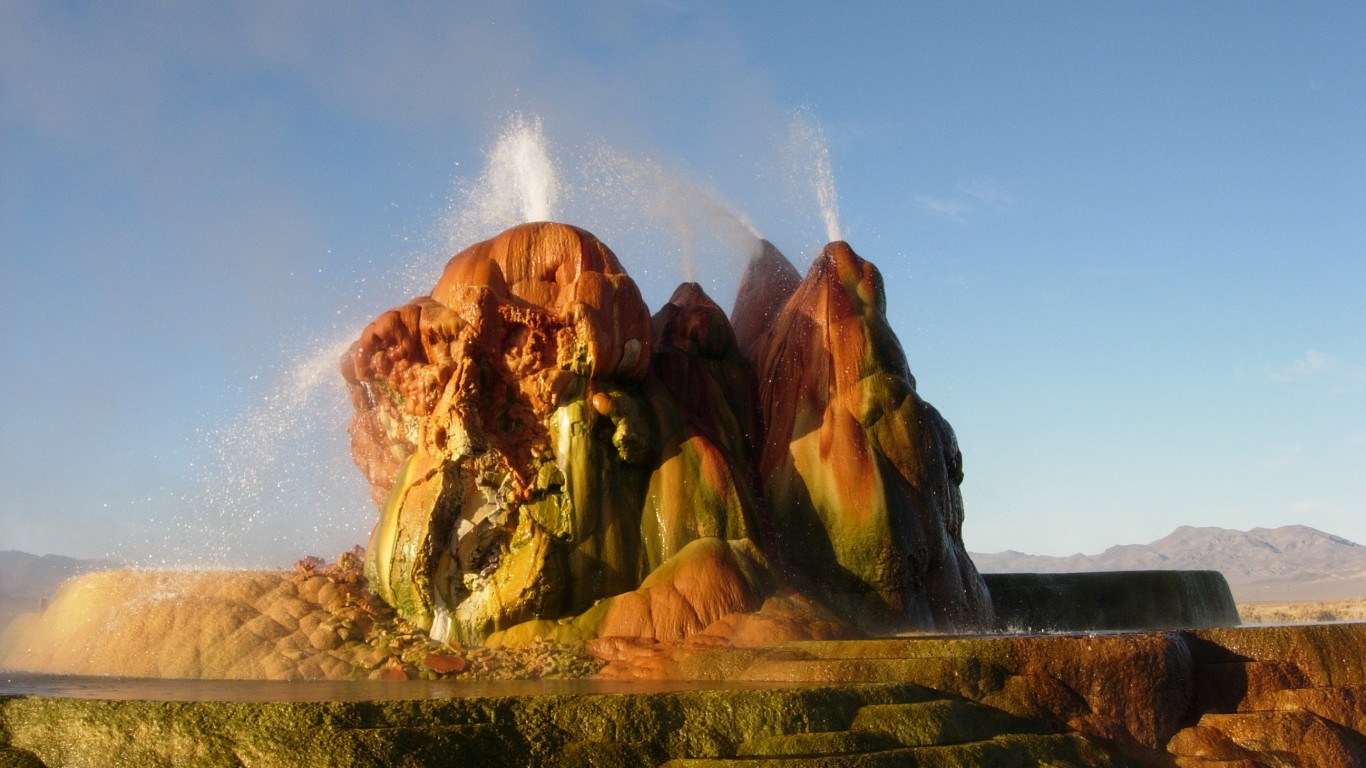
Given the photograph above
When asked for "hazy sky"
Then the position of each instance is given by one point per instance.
(1124, 244)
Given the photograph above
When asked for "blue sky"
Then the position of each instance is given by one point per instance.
(1124, 243)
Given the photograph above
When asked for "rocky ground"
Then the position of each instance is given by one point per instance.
(1302, 612)
(1219, 698)
(317, 621)
(1277, 695)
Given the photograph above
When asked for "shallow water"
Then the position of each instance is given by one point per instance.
(157, 689)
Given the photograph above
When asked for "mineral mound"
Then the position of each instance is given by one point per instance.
(537, 442)
(861, 474)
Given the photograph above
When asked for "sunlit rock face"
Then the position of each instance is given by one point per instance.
(537, 442)
(861, 475)
(529, 452)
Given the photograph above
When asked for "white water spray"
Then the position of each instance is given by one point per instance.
(519, 184)
(276, 482)
(811, 168)
(278, 478)
(676, 219)
(520, 171)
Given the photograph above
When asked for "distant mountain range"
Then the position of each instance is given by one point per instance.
(27, 580)
(1291, 563)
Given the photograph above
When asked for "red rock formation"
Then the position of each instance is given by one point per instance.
(861, 474)
(488, 400)
(769, 281)
(537, 442)
(530, 454)
(701, 393)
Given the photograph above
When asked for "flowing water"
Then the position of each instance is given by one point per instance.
(268, 472)
(282, 472)
(519, 183)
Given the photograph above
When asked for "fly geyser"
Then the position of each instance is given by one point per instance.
(723, 509)
(549, 458)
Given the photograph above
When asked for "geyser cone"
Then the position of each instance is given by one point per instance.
(701, 393)
(538, 443)
(861, 474)
(769, 281)
(478, 416)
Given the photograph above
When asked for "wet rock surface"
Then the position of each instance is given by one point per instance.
(316, 622)
(1275, 696)
(837, 725)
(537, 443)
(1135, 600)
(860, 473)
(569, 486)
(1266, 696)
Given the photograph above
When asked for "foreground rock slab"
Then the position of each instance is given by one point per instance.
(1248, 696)
(886, 724)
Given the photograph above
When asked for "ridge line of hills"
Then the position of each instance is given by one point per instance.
(27, 581)
(1293, 563)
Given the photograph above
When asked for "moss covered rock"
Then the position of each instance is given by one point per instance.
(539, 442)
(618, 730)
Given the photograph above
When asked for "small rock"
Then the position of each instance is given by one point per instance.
(331, 597)
(324, 638)
(377, 657)
(396, 671)
(308, 587)
(444, 664)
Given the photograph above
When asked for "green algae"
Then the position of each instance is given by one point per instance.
(643, 729)
(815, 744)
(938, 722)
(800, 727)
(1009, 751)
